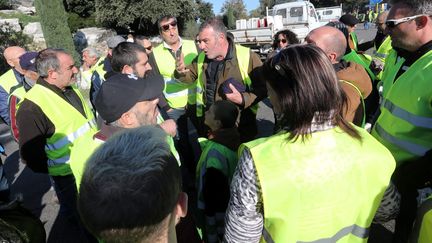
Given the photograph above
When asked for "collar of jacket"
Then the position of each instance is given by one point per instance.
(107, 131)
(340, 65)
(411, 57)
(52, 87)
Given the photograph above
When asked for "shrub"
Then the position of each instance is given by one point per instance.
(10, 37)
(5, 4)
(76, 22)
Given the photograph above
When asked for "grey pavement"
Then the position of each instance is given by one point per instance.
(39, 197)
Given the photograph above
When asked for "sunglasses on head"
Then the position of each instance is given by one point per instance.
(281, 40)
(166, 27)
(395, 22)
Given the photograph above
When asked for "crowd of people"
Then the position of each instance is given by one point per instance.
(166, 147)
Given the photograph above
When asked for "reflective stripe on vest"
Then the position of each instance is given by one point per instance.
(383, 50)
(405, 123)
(311, 196)
(216, 156)
(354, 57)
(70, 126)
(8, 81)
(243, 58)
(382, 53)
(176, 92)
(81, 153)
(361, 99)
(422, 230)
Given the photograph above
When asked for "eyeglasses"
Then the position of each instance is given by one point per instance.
(166, 27)
(391, 23)
(282, 40)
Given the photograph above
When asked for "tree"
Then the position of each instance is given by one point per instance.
(229, 19)
(264, 4)
(256, 13)
(141, 15)
(84, 8)
(54, 26)
(205, 10)
(238, 7)
(191, 29)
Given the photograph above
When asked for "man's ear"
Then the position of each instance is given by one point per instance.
(181, 207)
(52, 74)
(126, 119)
(422, 21)
(10, 63)
(127, 69)
(332, 56)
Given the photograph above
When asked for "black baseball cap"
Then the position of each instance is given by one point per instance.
(27, 61)
(120, 92)
(349, 20)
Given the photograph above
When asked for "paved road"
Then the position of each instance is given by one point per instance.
(36, 188)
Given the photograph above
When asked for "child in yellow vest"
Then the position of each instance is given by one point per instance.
(216, 167)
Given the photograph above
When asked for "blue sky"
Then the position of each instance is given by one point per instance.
(217, 5)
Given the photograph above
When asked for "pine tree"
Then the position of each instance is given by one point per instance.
(55, 26)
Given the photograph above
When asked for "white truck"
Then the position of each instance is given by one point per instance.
(257, 33)
(328, 14)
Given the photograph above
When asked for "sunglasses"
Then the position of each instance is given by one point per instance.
(282, 40)
(391, 23)
(166, 27)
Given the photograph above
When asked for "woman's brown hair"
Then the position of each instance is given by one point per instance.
(307, 89)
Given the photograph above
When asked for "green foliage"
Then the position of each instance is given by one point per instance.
(264, 4)
(5, 4)
(256, 13)
(54, 26)
(141, 15)
(238, 7)
(22, 18)
(10, 37)
(83, 8)
(205, 10)
(76, 22)
(190, 30)
(229, 19)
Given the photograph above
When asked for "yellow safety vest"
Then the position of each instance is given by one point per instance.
(382, 53)
(325, 189)
(354, 39)
(8, 81)
(70, 126)
(176, 92)
(422, 232)
(217, 156)
(243, 57)
(99, 68)
(405, 123)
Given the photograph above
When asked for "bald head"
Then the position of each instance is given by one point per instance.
(330, 40)
(12, 55)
